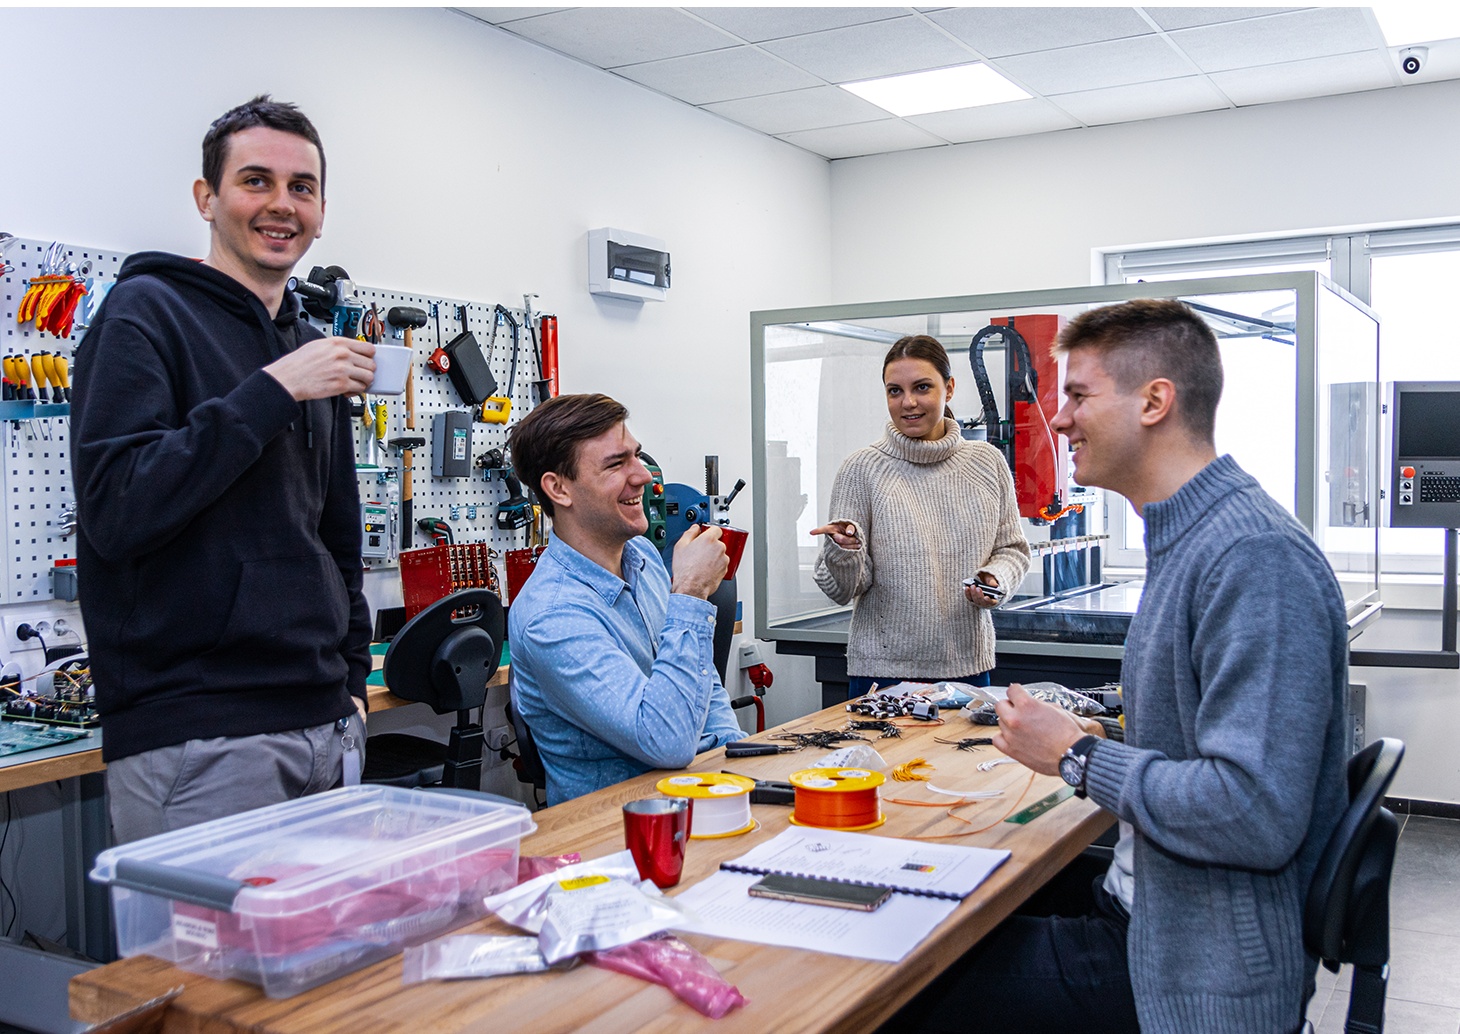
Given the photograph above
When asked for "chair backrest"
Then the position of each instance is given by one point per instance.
(446, 654)
(1336, 902)
(531, 771)
(723, 599)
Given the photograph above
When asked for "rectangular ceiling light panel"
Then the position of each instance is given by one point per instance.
(942, 89)
(1407, 23)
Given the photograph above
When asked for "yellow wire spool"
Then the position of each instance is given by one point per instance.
(721, 802)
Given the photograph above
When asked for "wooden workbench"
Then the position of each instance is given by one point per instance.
(790, 991)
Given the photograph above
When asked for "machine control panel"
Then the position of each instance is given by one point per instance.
(1424, 454)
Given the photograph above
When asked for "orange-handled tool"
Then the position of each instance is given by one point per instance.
(48, 363)
(38, 367)
(22, 373)
(63, 376)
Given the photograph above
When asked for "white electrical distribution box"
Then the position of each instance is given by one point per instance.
(627, 265)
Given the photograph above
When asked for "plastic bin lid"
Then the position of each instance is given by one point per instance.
(305, 853)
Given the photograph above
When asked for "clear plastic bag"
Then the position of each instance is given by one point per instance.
(531, 866)
(588, 906)
(670, 962)
(471, 955)
(857, 756)
(981, 710)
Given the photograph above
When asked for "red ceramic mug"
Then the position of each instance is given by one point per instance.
(656, 831)
(734, 539)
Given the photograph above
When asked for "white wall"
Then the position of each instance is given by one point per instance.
(463, 162)
(1025, 213)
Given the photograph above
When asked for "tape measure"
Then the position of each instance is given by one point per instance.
(721, 802)
(837, 798)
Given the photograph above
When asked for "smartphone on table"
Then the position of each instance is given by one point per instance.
(808, 890)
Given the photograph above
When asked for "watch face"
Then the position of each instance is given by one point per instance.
(1071, 771)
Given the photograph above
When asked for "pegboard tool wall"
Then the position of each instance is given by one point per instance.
(433, 496)
(37, 453)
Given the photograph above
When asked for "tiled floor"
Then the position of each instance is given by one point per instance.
(1424, 938)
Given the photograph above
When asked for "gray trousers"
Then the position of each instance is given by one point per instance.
(169, 788)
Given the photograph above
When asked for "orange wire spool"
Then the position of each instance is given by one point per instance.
(837, 798)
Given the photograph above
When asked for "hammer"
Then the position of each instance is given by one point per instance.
(408, 318)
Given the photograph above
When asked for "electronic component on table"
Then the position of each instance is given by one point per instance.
(427, 575)
(374, 530)
(451, 444)
(69, 704)
(809, 890)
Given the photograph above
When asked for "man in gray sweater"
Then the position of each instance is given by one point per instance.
(1231, 777)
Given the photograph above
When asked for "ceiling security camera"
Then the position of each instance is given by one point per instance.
(1412, 59)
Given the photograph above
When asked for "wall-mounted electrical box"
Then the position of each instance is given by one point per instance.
(627, 265)
(1424, 454)
(451, 444)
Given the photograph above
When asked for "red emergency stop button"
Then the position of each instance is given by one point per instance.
(658, 489)
(1406, 472)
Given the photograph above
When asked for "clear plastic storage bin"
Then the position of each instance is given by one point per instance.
(296, 894)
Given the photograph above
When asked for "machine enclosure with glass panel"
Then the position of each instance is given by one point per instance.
(1299, 412)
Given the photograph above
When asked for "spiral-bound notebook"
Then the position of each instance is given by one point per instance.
(909, 866)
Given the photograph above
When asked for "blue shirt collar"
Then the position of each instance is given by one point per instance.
(593, 575)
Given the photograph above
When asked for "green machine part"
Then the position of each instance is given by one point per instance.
(658, 534)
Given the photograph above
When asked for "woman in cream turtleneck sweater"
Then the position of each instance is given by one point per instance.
(910, 518)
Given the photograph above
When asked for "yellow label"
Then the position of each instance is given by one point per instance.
(581, 882)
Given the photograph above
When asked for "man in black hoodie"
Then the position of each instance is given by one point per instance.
(219, 544)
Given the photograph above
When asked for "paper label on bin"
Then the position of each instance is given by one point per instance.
(193, 930)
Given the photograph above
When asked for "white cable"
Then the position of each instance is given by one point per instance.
(987, 766)
(970, 795)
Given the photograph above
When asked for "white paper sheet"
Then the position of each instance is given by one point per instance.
(908, 865)
(726, 909)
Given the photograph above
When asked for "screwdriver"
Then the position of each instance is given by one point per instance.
(48, 363)
(38, 366)
(22, 373)
(62, 376)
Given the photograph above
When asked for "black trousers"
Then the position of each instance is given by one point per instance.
(1034, 974)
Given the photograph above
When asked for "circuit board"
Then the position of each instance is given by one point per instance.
(18, 737)
(69, 710)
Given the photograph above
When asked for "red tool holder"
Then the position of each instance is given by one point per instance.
(520, 565)
(426, 575)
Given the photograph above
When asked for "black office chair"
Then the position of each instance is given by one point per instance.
(529, 764)
(1346, 916)
(444, 657)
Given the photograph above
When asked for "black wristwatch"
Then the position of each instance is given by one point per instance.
(1073, 761)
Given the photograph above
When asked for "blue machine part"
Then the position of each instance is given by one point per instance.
(683, 506)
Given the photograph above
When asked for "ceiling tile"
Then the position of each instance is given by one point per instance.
(720, 75)
(998, 31)
(1097, 65)
(1141, 101)
(869, 51)
(1284, 37)
(498, 15)
(758, 24)
(863, 138)
(1314, 77)
(611, 36)
(800, 109)
(1186, 17)
(1014, 118)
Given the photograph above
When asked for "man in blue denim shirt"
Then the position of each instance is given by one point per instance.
(612, 666)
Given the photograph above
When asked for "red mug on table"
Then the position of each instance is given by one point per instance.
(656, 832)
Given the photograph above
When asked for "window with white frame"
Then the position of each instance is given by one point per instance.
(1405, 275)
